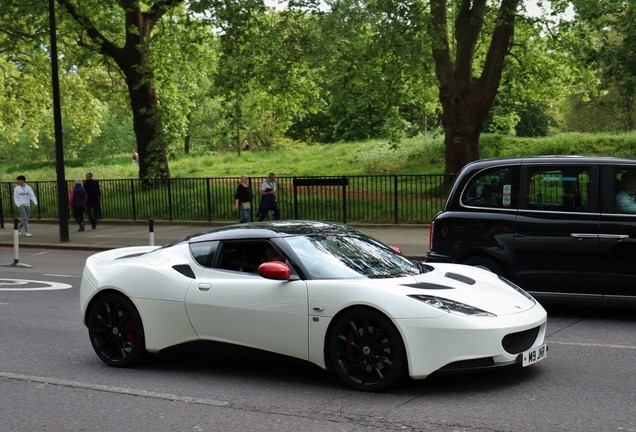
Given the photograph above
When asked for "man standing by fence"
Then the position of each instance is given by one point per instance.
(94, 202)
(22, 196)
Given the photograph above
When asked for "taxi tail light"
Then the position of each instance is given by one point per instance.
(430, 235)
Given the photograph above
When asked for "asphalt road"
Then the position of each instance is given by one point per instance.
(50, 378)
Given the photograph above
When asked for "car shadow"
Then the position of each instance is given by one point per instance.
(230, 362)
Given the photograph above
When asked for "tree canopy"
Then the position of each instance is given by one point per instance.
(169, 76)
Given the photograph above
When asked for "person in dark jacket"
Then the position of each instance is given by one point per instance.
(243, 198)
(94, 202)
(268, 199)
(77, 202)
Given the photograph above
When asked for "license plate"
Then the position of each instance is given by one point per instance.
(534, 355)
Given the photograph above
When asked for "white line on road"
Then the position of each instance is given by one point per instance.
(549, 342)
(110, 389)
(60, 275)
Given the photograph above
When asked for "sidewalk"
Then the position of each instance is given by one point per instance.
(412, 239)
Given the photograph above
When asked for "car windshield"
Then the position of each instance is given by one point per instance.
(340, 257)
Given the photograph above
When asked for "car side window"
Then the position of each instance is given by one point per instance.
(624, 191)
(203, 252)
(559, 189)
(493, 188)
(246, 256)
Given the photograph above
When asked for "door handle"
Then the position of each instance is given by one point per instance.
(583, 235)
(205, 287)
(614, 236)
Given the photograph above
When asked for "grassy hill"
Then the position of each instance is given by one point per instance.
(420, 155)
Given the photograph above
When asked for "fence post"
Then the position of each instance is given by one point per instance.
(345, 182)
(1, 209)
(395, 197)
(132, 197)
(207, 189)
(295, 198)
(169, 200)
(39, 197)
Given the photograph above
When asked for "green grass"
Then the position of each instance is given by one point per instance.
(420, 155)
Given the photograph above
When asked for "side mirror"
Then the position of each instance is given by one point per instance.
(397, 249)
(274, 270)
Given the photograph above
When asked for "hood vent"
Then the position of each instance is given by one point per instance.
(460, 278)
(424, 285)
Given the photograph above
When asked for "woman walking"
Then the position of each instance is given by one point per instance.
(77, 202)
(243, 198)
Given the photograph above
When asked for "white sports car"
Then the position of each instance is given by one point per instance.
(321, 292)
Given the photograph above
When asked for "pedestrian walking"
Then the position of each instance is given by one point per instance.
(243, 198)
(268, 199)
(94, 202)
(22, 196)
(77, 202)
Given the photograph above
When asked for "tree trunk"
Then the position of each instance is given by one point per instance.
(188, 137)
(466, 99)
(131, 59)
(461, 137)
(153, 160)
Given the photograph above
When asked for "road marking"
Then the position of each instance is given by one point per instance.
(15, 285)
(60, 275)
(549, 342)
(111, 389)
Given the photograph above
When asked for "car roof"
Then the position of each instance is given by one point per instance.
(272, 229)
(549, 160)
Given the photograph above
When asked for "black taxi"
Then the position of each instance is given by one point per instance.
(561, 227)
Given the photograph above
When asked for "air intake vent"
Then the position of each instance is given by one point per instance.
(516, 343)
(460, 278)
(185, 270)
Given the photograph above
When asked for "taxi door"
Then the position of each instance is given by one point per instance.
(617, 237)
(557, 233)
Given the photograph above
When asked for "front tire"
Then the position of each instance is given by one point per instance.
(116, 331)
(367, 351)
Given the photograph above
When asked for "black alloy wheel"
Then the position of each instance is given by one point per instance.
(367, 351)
(116, 331)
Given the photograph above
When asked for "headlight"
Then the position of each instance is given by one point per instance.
(518, 289)
(451, 306)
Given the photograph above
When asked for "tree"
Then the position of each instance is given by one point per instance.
(125, 37)
(466, 99)
(609, 46)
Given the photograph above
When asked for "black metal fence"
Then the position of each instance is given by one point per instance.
(371, 199)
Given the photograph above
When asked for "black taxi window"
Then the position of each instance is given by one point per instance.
(493, 188)
(563, 190)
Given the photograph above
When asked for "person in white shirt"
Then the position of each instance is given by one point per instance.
(22, 196)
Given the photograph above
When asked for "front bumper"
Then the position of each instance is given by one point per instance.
(433, 344)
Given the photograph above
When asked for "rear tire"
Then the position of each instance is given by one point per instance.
(487, 264)
(116, 331)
